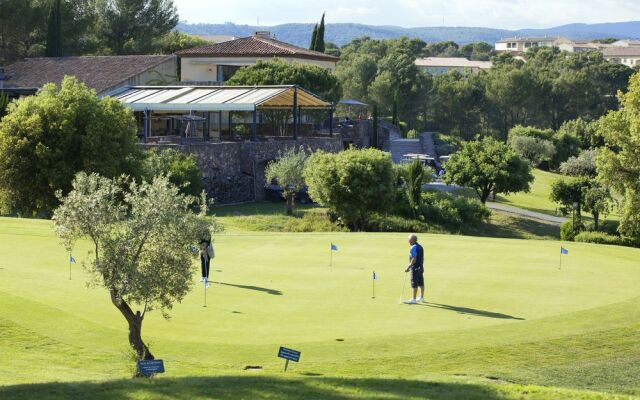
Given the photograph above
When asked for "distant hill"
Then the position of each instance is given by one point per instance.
(300, 34)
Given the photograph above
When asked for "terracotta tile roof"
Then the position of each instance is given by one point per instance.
(99, 73)
(255, 46)
(631, 51)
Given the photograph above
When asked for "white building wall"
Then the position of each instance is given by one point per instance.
(202, 69)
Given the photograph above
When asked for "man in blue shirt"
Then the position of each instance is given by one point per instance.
(416, 266)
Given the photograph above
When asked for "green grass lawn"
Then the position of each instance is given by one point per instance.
(538, 197)
(502, 321)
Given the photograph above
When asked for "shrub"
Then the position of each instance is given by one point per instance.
(581, 165)
(567, 232)
(413, 134)
(586, 132)
(312, 222)
(453, 212)
(445, 144)
(47, 138)
(352, 183)
(567, 146)
(607, 226)
(533, 149)
(530, 131)
(597, 237)
(393, 223)
(183, 169)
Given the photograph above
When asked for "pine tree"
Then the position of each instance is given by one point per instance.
(320, 37)
(314, 37)
(54, 31)
(374, 133)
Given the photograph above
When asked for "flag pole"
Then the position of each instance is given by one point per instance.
(70, 266)
(560, 267)
(330, 256)
(373, 285)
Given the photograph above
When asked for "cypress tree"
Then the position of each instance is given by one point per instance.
(54, 31)
(374, 130)
(314, 37)
(320, 37)
(394, 112)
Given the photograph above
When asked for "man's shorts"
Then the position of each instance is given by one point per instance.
(417, 278)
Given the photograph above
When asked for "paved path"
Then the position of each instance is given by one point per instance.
(526, 213)
(500, 207)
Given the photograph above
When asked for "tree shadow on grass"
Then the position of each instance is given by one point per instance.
(471, 311)
(257, 288)
(503, 225)
(253, 387)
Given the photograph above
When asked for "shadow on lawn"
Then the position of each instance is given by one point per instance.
(257, 288)
(471, 311)
(514, 227)
(252, 387)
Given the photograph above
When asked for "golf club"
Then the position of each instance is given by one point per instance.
(404, 283)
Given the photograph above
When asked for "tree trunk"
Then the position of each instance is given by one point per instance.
(291, 202)
(135, 328)
(596, 217)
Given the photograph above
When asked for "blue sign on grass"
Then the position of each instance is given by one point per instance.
(289, 354)
(149, 367)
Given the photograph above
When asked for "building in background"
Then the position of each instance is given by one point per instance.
(629, 55)
(441, 65)
(216, 63)
(520, 45)
(104, 74)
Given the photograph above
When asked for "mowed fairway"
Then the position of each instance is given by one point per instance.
(498, 311)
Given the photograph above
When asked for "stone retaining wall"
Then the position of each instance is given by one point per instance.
(234, 171)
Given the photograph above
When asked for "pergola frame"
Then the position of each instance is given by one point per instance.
(209, 99)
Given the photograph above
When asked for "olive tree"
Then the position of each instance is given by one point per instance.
(287, 171)
(489, 166)
(142, 236)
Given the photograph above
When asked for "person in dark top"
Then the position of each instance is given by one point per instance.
(416, 266)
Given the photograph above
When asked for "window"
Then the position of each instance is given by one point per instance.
(225, 72)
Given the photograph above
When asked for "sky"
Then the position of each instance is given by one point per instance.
(506, 14)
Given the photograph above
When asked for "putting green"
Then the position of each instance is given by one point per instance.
(278, 289)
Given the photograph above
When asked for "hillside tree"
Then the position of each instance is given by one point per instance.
(489, 166)
(54, 30)
(619, 160)
(47, 138)
(132, 26)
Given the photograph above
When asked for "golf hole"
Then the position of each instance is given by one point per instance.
(339, 340)
(252, 368)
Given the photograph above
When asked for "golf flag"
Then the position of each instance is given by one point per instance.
(563, 250)
(334, 247)
(375, 276)
(72, 260)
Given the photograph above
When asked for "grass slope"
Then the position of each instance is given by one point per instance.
(502, 322)
(538, 197)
